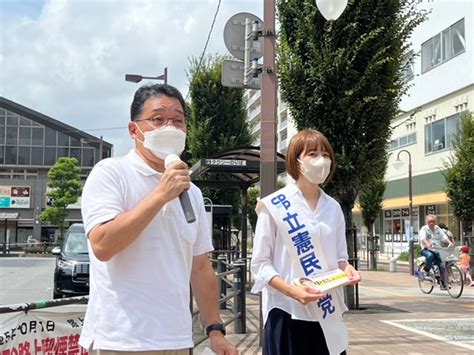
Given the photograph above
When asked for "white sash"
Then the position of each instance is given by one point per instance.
(303, 242)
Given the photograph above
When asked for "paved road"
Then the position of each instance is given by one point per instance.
(394, 316)
(26, 279)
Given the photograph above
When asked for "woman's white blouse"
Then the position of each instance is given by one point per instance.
(271, 258)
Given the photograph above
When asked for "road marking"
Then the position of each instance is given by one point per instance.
(384, 291)
(427, 334)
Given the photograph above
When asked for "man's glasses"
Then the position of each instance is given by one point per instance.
(160, 121)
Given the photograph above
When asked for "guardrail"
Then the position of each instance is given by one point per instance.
(231, 279)
(230, 275)
(32, 248)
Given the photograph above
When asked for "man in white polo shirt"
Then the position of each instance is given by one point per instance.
(143, 252)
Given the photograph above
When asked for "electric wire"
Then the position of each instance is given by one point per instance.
(207, 42)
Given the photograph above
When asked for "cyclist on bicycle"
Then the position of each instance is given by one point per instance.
(431, 239)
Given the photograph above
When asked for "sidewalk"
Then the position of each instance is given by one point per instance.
(394, 317)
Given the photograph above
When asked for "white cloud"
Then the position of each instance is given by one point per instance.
(68, 59)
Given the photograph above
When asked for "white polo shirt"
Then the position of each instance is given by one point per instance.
(139, 299)
(270, 256)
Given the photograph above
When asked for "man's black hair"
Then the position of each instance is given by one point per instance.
(151, 90)
(442, 226)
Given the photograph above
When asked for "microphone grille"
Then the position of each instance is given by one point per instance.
(170, 159)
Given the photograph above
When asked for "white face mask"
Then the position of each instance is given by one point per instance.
(164, 141)
(316, 169)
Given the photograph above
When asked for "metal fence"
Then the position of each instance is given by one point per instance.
(231, 281)
(231, 285)
(26, 248)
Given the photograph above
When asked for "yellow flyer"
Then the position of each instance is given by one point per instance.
(324, 282)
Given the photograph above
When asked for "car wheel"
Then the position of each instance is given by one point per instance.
(57, 295)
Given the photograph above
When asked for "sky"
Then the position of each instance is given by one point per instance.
(67, 59)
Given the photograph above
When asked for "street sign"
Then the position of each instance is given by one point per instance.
(233, 75)
(234, 36)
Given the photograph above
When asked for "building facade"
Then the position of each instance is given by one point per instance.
(30, 143)
(441, 79)
(442, 89)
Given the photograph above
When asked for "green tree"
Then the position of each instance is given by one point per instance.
(217, 122)
(370, 200)
(253, 197)
(459, 174)
(344, 78)
(65, 188)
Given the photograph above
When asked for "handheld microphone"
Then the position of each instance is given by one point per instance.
(183, 197)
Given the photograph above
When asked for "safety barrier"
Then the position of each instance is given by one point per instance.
(230, 275)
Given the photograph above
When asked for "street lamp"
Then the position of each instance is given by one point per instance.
(397, 165)
(331, 9)
(134, 78)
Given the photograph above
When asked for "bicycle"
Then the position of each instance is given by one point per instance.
(454, 279)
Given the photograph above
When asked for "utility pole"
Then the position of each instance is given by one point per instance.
(101, 148)
(268, 148)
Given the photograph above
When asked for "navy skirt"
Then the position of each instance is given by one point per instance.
(286, 336)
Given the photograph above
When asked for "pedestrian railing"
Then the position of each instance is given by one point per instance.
(27, 248)
(230, 276)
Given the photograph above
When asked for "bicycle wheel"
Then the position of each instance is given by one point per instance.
(426, 283)
(455, 281)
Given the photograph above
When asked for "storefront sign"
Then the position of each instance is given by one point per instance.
(15, 196)
(430, 209)
(9, 215)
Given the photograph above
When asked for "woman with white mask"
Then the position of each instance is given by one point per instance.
(300, 232)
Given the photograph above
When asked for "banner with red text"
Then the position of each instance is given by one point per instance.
(48, 331)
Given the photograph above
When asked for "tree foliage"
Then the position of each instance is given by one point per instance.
(253, 197)
(65, 187)
(459, 174)
(371, 197)
(217, 122)
(370, 200)
(344, 78)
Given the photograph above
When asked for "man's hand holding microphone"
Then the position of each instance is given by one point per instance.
(176, 182)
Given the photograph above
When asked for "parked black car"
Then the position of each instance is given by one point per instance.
(71, 276)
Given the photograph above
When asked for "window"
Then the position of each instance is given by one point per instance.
(49, 156)
(63, 152)
(50, 137)
(440, 134)
(12, 135)
(24, 121)
(10, 155)
(24, 156)
(76, 153)
(88, 157)
(63, 140)
(37, 156)
(443, 46)
(402, 141)
(25, 136)
(37, 137)
(408, 70)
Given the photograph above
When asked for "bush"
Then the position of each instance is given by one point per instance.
(405, 256)
(38, 249)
